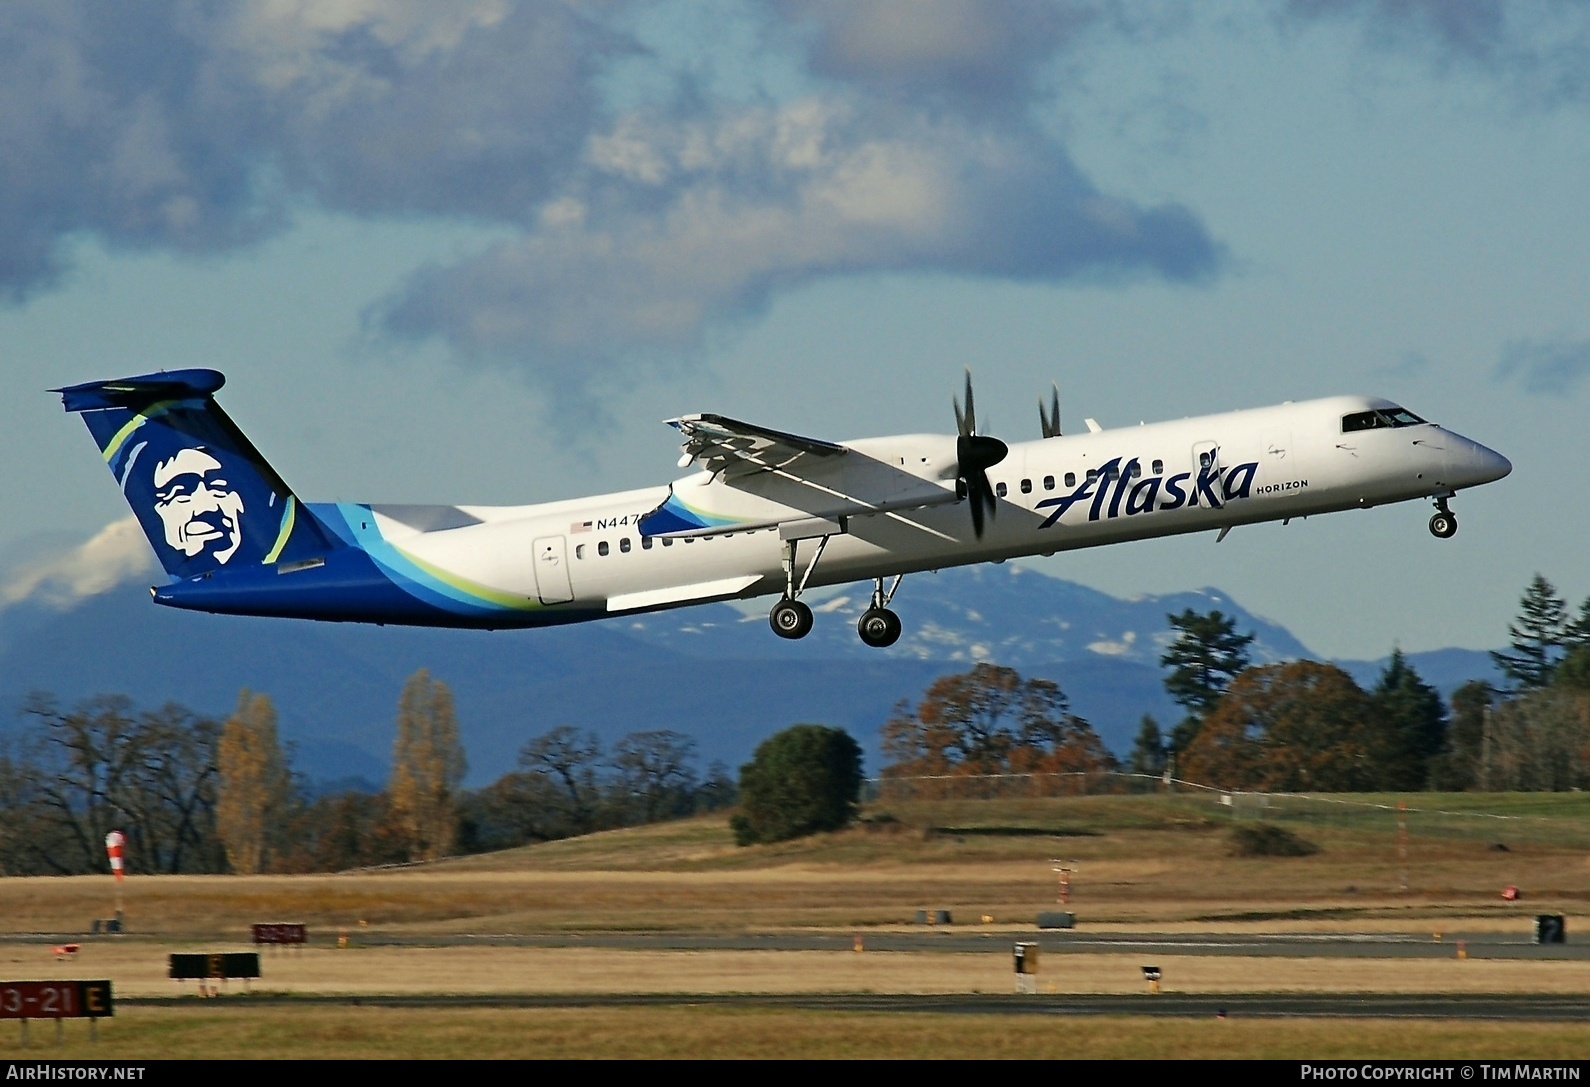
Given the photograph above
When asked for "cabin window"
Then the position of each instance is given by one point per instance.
(1001, 490)
(602, 548)
(1026, 486)
(1071, 478)
(667, 541)
(579, 551)
(623, 545)
(1134, 470)
(690, 539)
(1093, 473)
(645, 543)
(1048, 483)
(1159, 467)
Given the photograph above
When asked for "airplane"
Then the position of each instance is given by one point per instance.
(765, 511)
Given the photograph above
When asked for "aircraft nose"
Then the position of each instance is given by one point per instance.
(1482, 465)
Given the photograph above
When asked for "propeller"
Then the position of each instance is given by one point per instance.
(1049, 418)
(975, 454)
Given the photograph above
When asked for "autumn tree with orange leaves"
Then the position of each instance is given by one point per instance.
(991, 721)
(1302, 726)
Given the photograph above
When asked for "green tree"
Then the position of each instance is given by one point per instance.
(1538, 636)
(1205, 655)
(1409, 722)
(1577, 633)
(803, 780)
(427, 767)
(1148, 752)
(255, 785)
(1458, 766)
(1573, 671)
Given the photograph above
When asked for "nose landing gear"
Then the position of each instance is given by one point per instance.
(1443, 525)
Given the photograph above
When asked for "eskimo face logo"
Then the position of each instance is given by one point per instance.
(199, 507)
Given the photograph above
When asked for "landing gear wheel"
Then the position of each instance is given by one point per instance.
(790, 619)
(1443, 526)
(878, 627)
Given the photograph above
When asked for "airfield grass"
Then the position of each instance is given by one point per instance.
(210, 1031)
(1160, 861)
(1142, 862)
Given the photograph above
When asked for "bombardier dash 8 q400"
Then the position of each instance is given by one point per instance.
(765, 512)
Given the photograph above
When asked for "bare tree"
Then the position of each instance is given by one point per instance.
(569, 760)
(655, 774)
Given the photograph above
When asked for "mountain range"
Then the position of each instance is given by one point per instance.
(714, 672)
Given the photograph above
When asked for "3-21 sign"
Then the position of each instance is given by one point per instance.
(55, 1000)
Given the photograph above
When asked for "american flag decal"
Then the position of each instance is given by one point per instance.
(579, 526)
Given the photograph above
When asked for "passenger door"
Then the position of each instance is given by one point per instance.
(552, 570)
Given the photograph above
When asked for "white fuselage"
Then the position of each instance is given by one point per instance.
(1266, 464)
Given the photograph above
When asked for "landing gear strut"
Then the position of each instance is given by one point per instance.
(878, 626)
(1443, 526)
(789, 617)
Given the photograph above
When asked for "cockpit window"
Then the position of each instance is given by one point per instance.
(1401, 417)
(1379, 420)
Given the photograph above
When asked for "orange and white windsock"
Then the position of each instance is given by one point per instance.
(114, 843)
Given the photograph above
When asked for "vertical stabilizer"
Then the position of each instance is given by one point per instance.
(203, 494)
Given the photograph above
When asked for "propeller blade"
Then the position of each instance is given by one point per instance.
(966, 424)
(977, 453)
(1049, 418)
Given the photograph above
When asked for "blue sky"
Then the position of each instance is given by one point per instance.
(477, 252)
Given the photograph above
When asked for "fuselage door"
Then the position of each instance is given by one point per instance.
(1207, 455)
(552, 570)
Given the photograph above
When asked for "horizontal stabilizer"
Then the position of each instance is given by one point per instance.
(131, 392)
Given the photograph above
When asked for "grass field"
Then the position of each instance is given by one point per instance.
(1159, 862)
(371, 1032)
(1141, 861)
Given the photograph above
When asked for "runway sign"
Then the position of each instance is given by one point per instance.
(231, 964)
(280, 933)
(55, 1000)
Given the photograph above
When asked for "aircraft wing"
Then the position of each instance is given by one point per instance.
(756, 477)
(721, 444)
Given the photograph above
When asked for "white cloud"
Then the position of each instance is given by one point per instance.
(115, 554)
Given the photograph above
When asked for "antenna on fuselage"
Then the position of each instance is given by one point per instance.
(1049, 417)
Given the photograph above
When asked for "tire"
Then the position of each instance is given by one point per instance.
(790, 619)
(1443, 526)
(878, 627)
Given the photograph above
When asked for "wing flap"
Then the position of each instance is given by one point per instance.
(717, 443)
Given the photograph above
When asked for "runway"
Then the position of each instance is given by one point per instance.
(1379, 945)
(1538, 1007)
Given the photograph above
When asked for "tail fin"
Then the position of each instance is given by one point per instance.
(204, 496)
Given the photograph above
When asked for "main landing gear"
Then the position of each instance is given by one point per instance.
(1443, 526)
(878, 626)
(789, 617)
